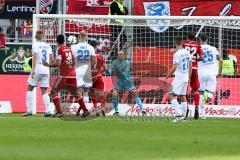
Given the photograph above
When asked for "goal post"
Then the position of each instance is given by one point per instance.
(149, 44)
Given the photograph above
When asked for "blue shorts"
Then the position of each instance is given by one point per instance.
(124, 85)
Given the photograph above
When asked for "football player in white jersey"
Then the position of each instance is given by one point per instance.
(182, 68)
(40, 73)
(208, 70)
(84, 55)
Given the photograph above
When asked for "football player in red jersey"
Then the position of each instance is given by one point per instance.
(197, 55)
(67, 77)
(98, 68)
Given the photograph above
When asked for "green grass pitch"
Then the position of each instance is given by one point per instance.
(39, 138)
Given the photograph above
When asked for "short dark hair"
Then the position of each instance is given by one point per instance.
(191, 35)
(60, 39)
(178, 40)
(203, 37)
(40, 32)
(93, 43)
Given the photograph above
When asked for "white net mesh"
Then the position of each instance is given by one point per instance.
(149, 45)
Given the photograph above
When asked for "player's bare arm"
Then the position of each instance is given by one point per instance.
(35, 59)
(220, 66)
(172, 70)
(93, 59)
(200, 58)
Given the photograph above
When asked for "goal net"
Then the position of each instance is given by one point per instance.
(148, 42)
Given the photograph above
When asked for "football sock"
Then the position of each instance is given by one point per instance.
(115, 103)
(102, 101)
(176, 106)
(29, 101)
(94, 100)
(202, 108)
(46, 101)
(184, 108)
(85, 97)
(82, 104)
(56, 101)
(196, 98)
(139, 102)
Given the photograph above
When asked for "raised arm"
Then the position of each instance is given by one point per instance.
(220, 65)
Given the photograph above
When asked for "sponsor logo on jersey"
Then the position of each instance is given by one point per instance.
(157, 9)
(46, 6)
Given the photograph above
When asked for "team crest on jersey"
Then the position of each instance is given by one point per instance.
(157, 9)
(46, 6)
(2, 5)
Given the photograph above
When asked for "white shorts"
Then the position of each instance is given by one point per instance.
(84, 77)
(208, 83)
(43, 79)
(179, 88)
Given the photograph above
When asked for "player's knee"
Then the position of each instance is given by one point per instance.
(101, 93)
(195, 91)
(134, 93)
(53, 91)
(114, 92)
(183, 99)
(30, 88)
(170, 96)
(43, 91)
(201, 92)
(210, 96)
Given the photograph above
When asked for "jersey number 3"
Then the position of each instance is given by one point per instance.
(44, 55)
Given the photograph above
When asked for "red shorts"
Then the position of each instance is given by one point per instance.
(194, 83)
(98, 83)
(65, 83)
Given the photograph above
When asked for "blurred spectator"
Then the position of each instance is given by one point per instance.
(14, 32)
(11, 30)
(27, 28)
(2, 39)
(117, 8)
(229, 65)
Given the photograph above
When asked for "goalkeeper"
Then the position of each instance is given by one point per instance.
(121, 68)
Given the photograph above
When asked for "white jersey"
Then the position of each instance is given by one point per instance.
(43, 52)
(182, 58)
(208, 66)
(82, 53)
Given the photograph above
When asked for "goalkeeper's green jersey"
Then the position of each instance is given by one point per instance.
(122, 70)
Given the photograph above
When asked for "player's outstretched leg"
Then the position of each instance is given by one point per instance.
(115, 101)
(175, 104)
(29, 96)
(139, 103)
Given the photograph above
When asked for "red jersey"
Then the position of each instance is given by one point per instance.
(195, 50)
(97, 68)
(66, 56)
(2, 41)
